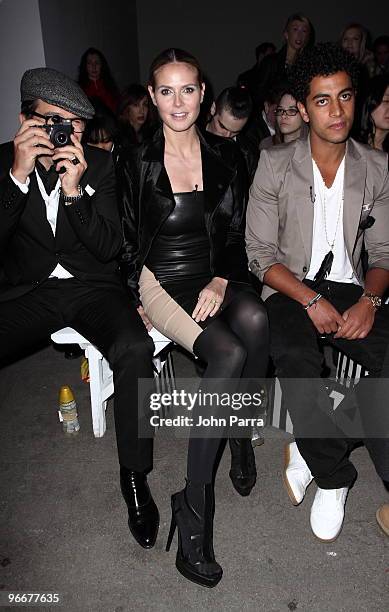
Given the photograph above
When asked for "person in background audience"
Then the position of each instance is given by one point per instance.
(354, 40)
(249, 79)
(375, 114)
(96, 79)
(103, 130)
(289, 123)
(230, 114)
(261, 124)
(274, 69)
(381, 55)
(135, 114)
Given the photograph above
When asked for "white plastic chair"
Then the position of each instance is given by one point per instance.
(100, 374)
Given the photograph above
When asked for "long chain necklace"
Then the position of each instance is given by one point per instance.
(324, 207)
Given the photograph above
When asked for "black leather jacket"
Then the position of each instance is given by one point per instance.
(146, 200)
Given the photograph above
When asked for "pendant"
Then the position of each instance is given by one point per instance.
(325, 268)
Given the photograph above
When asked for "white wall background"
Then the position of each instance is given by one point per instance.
(21, 47)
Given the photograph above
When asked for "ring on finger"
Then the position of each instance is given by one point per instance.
(75, 161)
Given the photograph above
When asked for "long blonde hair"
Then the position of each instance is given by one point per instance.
(363, 31)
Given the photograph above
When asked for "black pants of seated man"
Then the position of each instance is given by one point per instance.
(296, 354)
(105, 317)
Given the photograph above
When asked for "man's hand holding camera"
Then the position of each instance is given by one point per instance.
(33, 140)
(30, 142)
(70, 157)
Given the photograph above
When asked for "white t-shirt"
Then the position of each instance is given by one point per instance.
(330, 199)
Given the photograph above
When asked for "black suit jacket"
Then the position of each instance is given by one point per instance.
(88, 234)
(147, 200)
(272, 74)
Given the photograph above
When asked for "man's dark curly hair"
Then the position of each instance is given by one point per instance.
(323, 59)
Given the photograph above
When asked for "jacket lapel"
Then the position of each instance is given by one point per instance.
(160, 200)
(304, 191)
(216, 177)
(354, 189)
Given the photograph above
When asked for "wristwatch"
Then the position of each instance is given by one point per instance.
(376, 300)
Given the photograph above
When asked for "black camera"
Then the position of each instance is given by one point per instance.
(60, 134)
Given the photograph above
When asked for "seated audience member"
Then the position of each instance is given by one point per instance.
(375, 132)
(183, 198)
(289, 123)
(60, 238)
(274, 69)
(313, 204)
(95, 78)
(230, 114)
(288, 119)
(135, 115)
(381, 56)
(103, 130)
(375, 114)
(354, 40)
(262, 124)
(249, 79)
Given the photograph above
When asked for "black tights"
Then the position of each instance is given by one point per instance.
(235, 345)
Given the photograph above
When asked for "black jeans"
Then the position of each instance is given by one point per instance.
(296, 354)
(105, 317)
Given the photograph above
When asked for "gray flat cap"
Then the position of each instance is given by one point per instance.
(57, 89)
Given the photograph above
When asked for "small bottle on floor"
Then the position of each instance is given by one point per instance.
(68, 411)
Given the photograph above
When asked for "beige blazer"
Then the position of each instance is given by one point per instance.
(280, 209)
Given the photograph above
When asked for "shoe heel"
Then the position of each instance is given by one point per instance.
(172, 529)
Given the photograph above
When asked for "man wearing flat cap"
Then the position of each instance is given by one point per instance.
(60, 237)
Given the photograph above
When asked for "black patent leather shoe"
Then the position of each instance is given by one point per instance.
(143, 515)
(243, 472)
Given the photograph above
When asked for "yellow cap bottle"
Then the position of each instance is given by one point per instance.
(68, 411)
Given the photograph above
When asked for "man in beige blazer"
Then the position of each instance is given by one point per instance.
(314, 204)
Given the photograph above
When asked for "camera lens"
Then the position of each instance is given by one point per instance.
(61, 138)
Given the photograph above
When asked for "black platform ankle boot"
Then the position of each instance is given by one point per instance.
(243, 472)
(195, 558)
(143, 515)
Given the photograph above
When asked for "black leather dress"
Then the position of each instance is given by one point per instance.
(180, 254)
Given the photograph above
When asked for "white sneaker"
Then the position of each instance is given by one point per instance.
(296, 475)
(327, 513)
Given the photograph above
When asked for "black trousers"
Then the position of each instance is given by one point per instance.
(107, 319)
(296, 354)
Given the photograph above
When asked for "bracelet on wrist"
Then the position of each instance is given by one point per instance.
(375, 300)
(313, 301)
(67, 200)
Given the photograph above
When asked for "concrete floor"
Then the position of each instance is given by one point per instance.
(63, 521)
